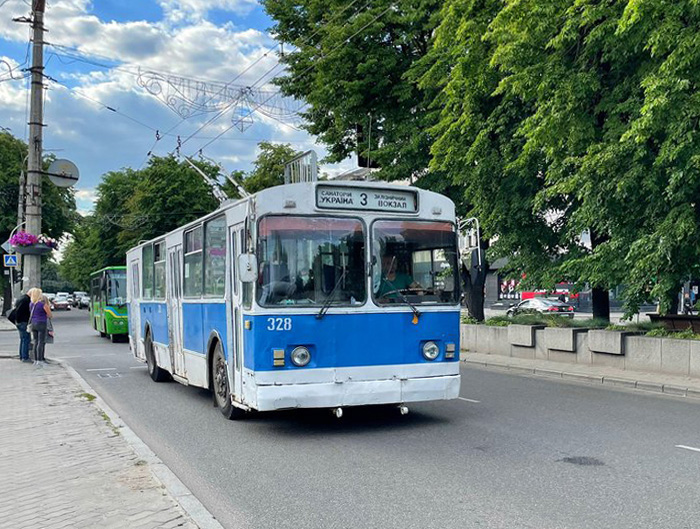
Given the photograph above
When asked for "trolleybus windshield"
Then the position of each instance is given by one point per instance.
(116, 287)
(311, 261)
(414, 261)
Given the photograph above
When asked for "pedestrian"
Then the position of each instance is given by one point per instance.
(20, 317)
(40, 314)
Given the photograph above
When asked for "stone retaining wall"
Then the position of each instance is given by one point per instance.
(622, 350)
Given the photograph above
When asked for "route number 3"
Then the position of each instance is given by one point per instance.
(279, 324)
(363, 199)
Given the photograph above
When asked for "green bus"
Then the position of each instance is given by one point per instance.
(108, 312)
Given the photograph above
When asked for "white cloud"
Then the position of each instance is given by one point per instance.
(99, 140)
(180, 11)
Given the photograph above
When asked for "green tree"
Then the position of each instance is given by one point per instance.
(135, 205)
(352, 64)
(573, 127)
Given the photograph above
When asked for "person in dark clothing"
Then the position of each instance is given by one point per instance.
(21, 317)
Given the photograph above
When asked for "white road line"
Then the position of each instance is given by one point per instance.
(470, 400)
(103, 369)
(688, 448)
(138, 367)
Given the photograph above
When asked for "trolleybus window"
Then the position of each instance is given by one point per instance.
(311, 261)
(414, 261)
(148, 271)
(159, 270)
(215, 257)
(193, 263)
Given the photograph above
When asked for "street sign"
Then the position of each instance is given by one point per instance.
(10, 260)
(63, 173)
(6, 246)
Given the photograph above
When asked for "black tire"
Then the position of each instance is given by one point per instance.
(220, 386)
(156, 373)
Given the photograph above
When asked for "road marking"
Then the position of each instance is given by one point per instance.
(103, 369)
(138, 367)
(688, 448)
(470, 400)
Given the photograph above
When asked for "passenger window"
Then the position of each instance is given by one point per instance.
(193, 263)
(135, 278)
(215, 257)
(148, 271)
(159, 270)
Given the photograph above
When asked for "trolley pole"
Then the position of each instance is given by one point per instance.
(32, 195)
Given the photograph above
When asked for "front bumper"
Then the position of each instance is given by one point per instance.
(357, 393)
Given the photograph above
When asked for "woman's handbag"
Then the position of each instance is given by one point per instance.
(49, 331)
(30, 327)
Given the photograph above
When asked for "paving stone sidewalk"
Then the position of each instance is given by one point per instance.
(64, 465)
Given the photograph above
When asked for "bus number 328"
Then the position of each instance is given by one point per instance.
(279, 324)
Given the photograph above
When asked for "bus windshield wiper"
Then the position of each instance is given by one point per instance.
(416, 312)
(327, 304)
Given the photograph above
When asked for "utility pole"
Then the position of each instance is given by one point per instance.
(32, 195)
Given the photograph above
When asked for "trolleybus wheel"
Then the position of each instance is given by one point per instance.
(157, 374)
(220, 387)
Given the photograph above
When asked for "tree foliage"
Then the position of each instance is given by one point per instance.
(352, 63)
(571, 117)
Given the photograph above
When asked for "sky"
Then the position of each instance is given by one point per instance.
(105, 60)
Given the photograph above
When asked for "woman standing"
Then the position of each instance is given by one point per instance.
(40, 313)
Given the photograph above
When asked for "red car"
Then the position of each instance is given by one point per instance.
(60, 304)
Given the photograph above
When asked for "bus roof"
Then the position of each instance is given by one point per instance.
(300, 191)
(107, 269)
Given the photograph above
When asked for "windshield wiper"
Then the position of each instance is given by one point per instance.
(327, 304)
(416, 312)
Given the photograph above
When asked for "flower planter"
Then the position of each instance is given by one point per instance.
(34, 249)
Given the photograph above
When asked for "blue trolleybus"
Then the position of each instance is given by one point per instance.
(307, 295)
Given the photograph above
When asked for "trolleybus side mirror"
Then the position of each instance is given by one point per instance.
(248, 267)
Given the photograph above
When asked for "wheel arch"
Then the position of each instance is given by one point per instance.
(214, 339)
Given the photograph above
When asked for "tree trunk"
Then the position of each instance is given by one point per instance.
(600, 298)
(473, 281)
(672, 300)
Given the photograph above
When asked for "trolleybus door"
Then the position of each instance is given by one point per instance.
(235, 340)
(134, 307)
(177, 359)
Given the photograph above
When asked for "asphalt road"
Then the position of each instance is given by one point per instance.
(522, 452)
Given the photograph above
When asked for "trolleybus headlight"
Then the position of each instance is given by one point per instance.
(300, 356)
(430, 350)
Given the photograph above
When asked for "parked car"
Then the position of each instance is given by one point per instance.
(76, 297)
(84, 302)
(541, 306)
(60, 303)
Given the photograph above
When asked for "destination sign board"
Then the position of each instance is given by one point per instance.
(365, 198)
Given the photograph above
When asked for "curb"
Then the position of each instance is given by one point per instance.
(612, 381)
(199, 514)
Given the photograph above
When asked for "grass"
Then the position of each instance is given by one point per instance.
(89, 396)
(110, 423)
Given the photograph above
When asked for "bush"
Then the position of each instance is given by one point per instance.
(635, 327)
(661, 332)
